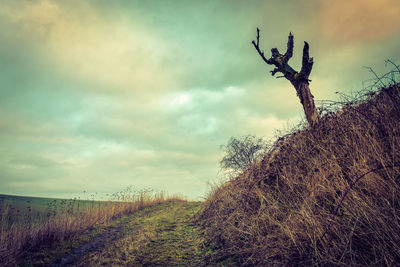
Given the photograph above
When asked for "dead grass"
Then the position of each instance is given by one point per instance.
(322, 196)
(19, 236)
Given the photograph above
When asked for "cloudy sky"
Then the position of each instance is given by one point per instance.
(101, 95)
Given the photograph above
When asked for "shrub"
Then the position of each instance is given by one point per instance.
(241, 153)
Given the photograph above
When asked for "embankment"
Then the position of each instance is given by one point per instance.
(329, 195)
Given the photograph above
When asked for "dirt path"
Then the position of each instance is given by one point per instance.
(91, 247)
(158, 236)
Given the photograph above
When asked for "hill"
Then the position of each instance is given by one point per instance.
(327, 195)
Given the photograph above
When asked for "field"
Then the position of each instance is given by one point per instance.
(161, 235)
(28, 223)
(29, 209)
(25, 209)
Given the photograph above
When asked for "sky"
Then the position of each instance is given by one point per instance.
(100, 95)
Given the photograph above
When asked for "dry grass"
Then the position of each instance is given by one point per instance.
(322, 196)
(17, 236)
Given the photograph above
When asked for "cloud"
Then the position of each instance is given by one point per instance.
(112, 55)
(100, 95)
(267, 126)
(358, 21)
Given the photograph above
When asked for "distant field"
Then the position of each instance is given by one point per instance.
(24, 208)
(21, 203)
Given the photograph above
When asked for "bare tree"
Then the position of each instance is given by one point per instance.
(241, 153)
(298, 79)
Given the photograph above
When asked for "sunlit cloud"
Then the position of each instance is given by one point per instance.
(200, 98)
(359, 20)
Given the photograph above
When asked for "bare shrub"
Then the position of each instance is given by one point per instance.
(241, 153)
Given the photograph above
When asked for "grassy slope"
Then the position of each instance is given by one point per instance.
(322, 196)
(161, 235)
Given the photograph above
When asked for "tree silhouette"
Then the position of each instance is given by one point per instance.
(241, 153)
(299, 80)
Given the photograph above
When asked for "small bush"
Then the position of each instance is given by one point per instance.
(241, 153)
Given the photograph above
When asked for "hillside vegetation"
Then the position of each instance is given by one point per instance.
(320, 196)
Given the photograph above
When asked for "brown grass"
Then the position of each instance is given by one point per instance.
(62, 223)
(323, 196)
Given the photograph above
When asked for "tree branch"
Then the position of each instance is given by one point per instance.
(280, 61)
(307, 62)
(289, 51)
(257, 47)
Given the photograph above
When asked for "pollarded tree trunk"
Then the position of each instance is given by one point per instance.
(307, 100)
(299, 80)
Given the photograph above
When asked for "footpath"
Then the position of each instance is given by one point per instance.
(162, 235)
